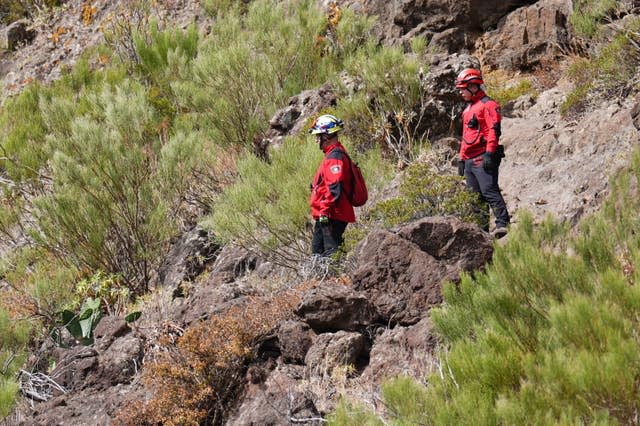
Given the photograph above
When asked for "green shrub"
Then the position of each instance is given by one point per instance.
(249, 66)
(405, 400)
(14, 338)
(425, 193)
(109, 210)
(267, 209)
(386, 112)
(610, 71)
(588, 15)
(347, 414)
(507, 93)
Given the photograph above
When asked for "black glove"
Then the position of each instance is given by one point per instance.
(489, 162)
(461, 167)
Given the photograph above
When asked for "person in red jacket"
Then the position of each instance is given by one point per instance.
(330, 206)
(480, 151)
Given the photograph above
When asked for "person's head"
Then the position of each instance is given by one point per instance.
(326, 128)
(469, 82)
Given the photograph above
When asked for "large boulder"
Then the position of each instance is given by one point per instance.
(333, 307)
(333, 350)
(401, 351)
(401, 271)
(279, 400)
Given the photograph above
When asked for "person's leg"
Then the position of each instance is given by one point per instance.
(317, 241)
(470, 173)
(488, 184)
(332, 236)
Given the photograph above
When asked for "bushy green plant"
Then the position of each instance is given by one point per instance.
(267, 209)
(588, 15)
(423, 192)
(109, 211)
(507, 93)
(609, 71)
(387, 111)
(347, 414)
(14, 338)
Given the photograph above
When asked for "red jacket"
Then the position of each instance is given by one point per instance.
(330, 186)
(480, 127)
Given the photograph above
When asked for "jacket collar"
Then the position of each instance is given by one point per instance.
(331, 147)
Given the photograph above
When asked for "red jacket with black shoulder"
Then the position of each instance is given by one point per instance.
(331, 185)
(480, 127)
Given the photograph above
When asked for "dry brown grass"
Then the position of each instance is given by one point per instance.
(197, 379)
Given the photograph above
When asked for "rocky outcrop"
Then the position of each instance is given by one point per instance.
(450, 25)
(559, 166)
(372, 328)
(292, 119)
(528, 38)
(187, 258)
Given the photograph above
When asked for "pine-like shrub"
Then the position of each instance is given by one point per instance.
(109, 209)
(386, 111)
(14, 338)
(267, 209)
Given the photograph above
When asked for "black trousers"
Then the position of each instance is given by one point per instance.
(327, 238)
(486, 184)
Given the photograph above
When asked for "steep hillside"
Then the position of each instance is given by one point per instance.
(155, 228)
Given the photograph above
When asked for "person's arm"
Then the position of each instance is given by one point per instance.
(333, 174)
(493, 119)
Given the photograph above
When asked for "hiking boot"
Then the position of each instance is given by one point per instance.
(499, 232)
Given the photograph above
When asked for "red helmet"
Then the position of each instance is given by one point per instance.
(469, 76)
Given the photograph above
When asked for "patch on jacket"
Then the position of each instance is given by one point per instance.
(335, 169)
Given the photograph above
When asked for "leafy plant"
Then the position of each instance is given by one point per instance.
(82, 324)
(588, 15)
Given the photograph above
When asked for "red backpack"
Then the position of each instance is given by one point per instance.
(359, 193)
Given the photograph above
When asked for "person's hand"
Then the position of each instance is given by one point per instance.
(461, 167)
(488, 162)
(323, 220)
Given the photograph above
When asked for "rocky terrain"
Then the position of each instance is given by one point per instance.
(375, 319)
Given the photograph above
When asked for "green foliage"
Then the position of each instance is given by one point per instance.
(347, 414)
(588, 15)
(108, 211)
(38, 283)
(503, 95)
(82, 323)
(267, 209)
(423, 192)
(112, 292)
(14, 338)
(23, 132)
(387, 111)
(163, 53)
(405, 401)
(611, 70)
(219, 8)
